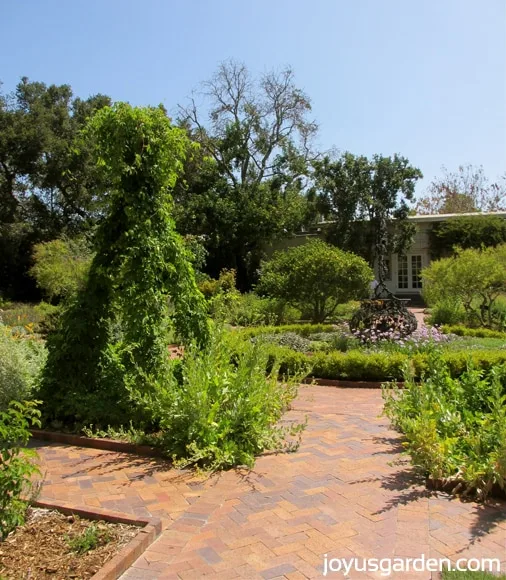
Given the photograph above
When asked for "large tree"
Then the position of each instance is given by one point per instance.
(247, 187)
(367, 201)
(48, 185)
(466, 190)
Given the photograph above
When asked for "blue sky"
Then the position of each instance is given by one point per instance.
(423, 78)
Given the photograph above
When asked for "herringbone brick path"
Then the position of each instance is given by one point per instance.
(347, 492)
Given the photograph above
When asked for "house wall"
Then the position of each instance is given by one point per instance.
(418, 254)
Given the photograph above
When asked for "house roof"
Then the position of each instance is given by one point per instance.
(444, 216)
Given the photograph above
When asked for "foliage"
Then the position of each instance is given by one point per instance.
(49, 184)
(21, 361)
(455, 429)
(382, 365)
(225, 411)
(315, 274)
(448, 310)
(244, 187)
(467, 232)
(467, 575)
(475, 332)
(464, 190)
(249, 309)
(373, 192)
(305, 330)
(61, 266)
(224, 284)
(89, 539)
(472, 278)
(289, 339)
(16, 466)
(113, 337)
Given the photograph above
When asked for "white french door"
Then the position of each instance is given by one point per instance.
(409, 268)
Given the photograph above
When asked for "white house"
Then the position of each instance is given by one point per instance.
(404, 271)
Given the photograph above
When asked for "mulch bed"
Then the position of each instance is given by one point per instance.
(40, 550)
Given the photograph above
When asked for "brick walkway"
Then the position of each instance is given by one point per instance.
(338, 495)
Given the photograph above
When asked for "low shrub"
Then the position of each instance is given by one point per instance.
(252, 310)
(381, 365)
(446, 311)
(304, 330)
(473, 332)
(16, 465)
(288, 339)
(226, 410)
(21, 361)
(455, 429)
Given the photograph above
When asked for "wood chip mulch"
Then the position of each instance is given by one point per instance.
(40, 548)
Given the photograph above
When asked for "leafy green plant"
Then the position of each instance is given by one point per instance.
(114, 335)
(16, 465)
(467, 575)
(447, 311)
(21, 361)
(455, 429)
(315, 275)
(467, 232)
(473, 279)
(89, 539)
(226, 409)
(476, 332)
(288, 339)
(61, 266)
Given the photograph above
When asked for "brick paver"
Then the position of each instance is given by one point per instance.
(347, 492)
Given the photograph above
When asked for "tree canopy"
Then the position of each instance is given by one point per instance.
(245, 187)
(48, 183)
(362, 196)
(315, 274)
(466, 190)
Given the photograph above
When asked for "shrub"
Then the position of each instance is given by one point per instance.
(315, 275)
(21, 361)
(380, 366)
(472, 278)
(305, 330)
(113, 337)
(16, 467)
(226, 409)
(447, 311)
(61, 266)
(287, 339)
(455, 429)
(467, 232)
(473, 332)
(253, 310)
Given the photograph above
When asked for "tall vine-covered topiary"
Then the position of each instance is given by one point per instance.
(113, 338)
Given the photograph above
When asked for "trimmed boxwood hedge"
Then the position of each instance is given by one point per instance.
(473, 332)
(304, 330)
(381, 366)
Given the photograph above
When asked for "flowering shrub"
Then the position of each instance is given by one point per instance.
(424, 338)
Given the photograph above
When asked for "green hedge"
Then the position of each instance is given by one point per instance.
(381, 366)
(304, 330)
(473, 332)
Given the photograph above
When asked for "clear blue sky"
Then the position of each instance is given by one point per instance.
(423, 78)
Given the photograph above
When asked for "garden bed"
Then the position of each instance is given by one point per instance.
(53, 545)
(96, 443)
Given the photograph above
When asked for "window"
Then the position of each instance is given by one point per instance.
(416, 268)
(402, 272)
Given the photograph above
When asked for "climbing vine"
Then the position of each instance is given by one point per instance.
(113, 338)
